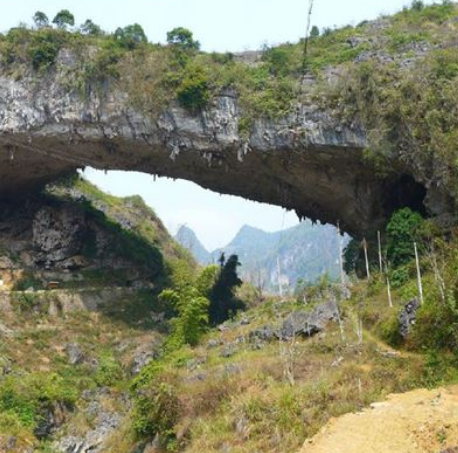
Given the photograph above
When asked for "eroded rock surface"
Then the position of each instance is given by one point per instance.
(308, 161)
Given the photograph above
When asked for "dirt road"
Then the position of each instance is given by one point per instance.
(421, 421)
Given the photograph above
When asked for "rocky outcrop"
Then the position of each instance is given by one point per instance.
(52, 243)
(105, 423)
(303, 323)
(408, 317)
(308, 161)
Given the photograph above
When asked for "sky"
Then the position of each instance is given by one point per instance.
(220, 25)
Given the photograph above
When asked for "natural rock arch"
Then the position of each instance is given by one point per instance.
(307, 161)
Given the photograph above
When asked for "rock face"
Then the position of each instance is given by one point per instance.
(307, 161)
(105, 423)
(304, 323)
(407, 317)
(52, 236)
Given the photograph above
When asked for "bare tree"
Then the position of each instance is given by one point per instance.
(307, 36)
(437, 267)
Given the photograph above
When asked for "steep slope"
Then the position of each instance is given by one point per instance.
(77, 236)
(304, 252)
(189, 240)
(80, 274)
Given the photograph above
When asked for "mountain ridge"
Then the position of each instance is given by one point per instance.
(262, 252)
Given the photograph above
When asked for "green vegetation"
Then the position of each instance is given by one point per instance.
(40, 19)
(130, 36)
(182, 38)
(208, 389)
(64, 19)
(224, 302)
(193, 91)
(402, 231)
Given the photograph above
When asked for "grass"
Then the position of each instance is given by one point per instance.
(245, 402)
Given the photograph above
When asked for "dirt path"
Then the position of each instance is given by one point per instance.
(421, 421)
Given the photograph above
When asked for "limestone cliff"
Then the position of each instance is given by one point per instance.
(308, 157)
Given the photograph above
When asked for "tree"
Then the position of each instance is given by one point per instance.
(190, 301)
(403, 230)
(40, 19)
(192, 320)
(63, 19)
(130, 36)
(417, 5)
(223, 301)
(89, 28)
(315, 32)
(182, 38)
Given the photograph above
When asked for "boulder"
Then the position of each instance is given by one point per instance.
(264, 333)
(305, 323)
(74, 353)
(408, 316)
(51, 419)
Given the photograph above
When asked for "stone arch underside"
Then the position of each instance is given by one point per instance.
(307, 162)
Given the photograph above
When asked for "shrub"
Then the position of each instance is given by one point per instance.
(156, 411)
(192, 320)
(389, 331)
(402, 230)
(109, 371)
(43, 51)
(190, 300)
(130, 36)
(417, 5)
(193, 92)
(24, 397)
(279, 60)
(182, 38)
(436, 327)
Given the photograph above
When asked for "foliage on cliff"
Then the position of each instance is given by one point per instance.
(395, 76)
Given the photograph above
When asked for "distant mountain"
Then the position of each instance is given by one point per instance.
(189, 240)
(305, 252)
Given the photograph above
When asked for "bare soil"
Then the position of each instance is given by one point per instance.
(421, 421)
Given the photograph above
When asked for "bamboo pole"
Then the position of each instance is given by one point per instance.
(419, 282)
(388, 288)
(368, 272)
(379, 240)
(339, 240)
(280, 287)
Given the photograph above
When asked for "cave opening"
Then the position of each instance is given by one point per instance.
(405, 192)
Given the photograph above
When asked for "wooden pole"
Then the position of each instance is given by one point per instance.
(280, 288)
(420, 285)
(388, 288)
(342, 274)
(368, 272)
(379, 238)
